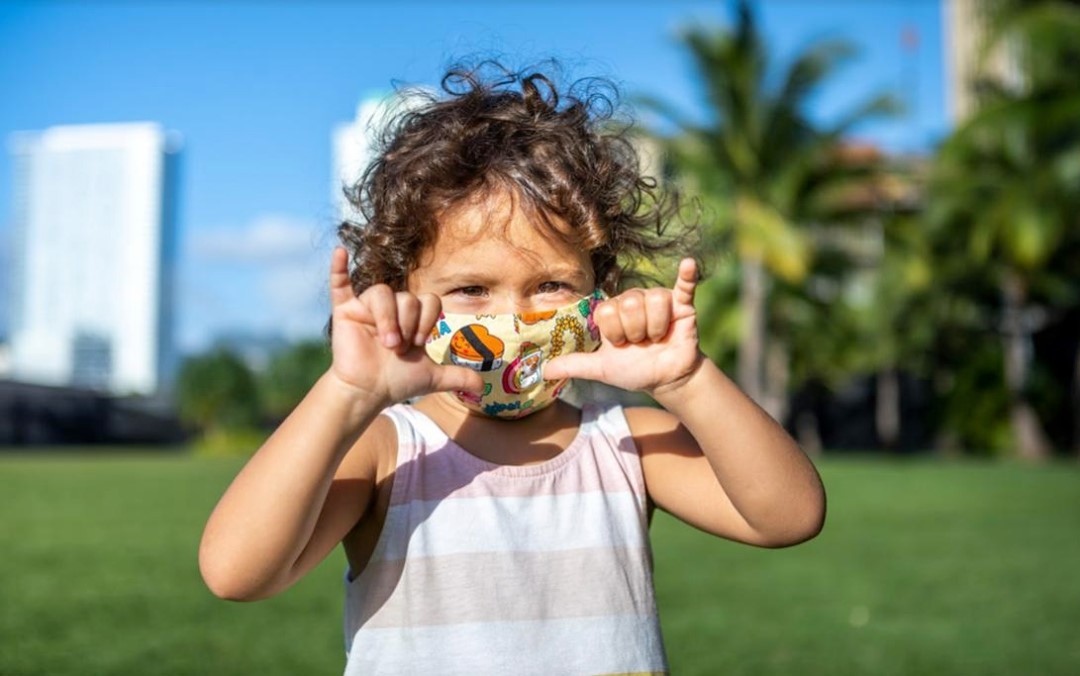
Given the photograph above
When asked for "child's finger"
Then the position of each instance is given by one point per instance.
(573, 365)
(606, 316)
(657, 313)
(340, 285)
(430, 307)
(408, 316)
(632, 315)
(686, 282)
(383, 306)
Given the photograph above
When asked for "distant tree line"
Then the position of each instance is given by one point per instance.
(233, 405)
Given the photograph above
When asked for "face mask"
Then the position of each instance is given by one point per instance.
(509, 351)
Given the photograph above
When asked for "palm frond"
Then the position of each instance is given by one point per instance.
(664, 109)
(809, 70)
(875, 107)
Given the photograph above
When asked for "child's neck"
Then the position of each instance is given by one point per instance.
(534, 439)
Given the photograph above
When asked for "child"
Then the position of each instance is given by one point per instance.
(491, 527)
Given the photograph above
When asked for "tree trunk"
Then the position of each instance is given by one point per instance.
(777, 372)
(1028, 436)
(1076, 404)
(752, 297)
(808, 433)
(887, 408)
(946, 441)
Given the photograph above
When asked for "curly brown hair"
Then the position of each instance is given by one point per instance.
(564, 155)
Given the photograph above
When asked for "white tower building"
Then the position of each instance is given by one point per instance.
(93, 256)
(966, 31)
(354, 147)
(355, 142)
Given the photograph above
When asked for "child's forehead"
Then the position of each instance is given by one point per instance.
(503, 238)
(498, 222)
(491, 213)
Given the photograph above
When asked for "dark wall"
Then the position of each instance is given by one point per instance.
(845, 417)
(37, 415)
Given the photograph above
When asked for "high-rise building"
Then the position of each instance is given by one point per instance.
(355, 142)
(354, 147)
(969, 57)
(93, 256)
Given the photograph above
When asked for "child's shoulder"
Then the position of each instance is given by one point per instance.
(373, 455)
(648, 426)
(648, 419)
(655, 429)
(639, 418)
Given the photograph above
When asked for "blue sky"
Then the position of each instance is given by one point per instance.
(256, 89)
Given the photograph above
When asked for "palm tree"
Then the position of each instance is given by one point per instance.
(1007, 184)
(763, 164)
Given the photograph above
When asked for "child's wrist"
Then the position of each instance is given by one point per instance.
(355, 396)
(679, 388)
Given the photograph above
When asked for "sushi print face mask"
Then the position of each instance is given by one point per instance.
(509, 351)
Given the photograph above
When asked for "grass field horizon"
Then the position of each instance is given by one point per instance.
(925, 566)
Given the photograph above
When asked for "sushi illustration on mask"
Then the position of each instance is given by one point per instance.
(523, 372)
(536, 316)
(474, 347)
(532, 318)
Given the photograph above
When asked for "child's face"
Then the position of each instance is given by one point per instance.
(477, 265)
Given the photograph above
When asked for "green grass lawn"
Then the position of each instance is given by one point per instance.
(923, 568)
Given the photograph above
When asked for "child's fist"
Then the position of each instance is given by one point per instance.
(649, 336)
(378, 341)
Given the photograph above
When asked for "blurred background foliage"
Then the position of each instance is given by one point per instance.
(233, 405)
(939, 271)
(946, 284)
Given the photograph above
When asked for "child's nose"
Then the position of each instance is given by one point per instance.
(510, 302)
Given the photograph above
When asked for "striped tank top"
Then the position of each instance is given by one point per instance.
(497, 569)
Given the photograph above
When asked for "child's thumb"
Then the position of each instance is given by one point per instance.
(457, 379)
(573, 365)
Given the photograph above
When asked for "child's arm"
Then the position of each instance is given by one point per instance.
(713, 458)
(298, 495)
(312, 480)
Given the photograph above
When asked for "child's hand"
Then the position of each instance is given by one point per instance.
(650, 339)
(378, 341)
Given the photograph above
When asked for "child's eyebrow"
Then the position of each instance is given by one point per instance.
(487, 279)
(478, 278)
(559, 271)
(577, 276)
(572, 273)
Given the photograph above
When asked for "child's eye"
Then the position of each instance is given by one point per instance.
(552, 287)
(471, 291)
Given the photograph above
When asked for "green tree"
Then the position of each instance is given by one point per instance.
(217, 393)
(762, 165)
(858, 313)
(290, 374)
(820, 326)
(1006, 186)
